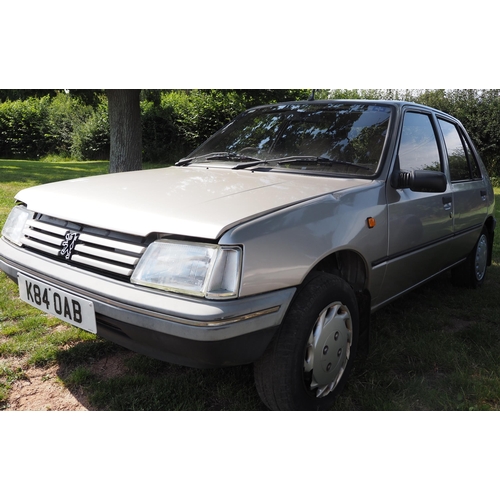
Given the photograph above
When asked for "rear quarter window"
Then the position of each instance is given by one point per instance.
(462, 163)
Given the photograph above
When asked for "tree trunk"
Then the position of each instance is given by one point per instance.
(125, 130)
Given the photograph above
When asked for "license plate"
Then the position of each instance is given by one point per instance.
(70, 308)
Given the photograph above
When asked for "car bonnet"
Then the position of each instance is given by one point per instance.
(190, 201)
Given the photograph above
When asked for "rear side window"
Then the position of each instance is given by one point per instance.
(418, 149)
(462, 163)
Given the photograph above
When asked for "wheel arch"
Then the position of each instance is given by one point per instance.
(348, 265)
(352, 268)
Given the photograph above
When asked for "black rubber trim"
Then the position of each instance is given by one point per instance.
(239, 350)
(417, 248)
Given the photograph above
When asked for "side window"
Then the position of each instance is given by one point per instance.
(476, 171)
(463, 165)
(418, 149)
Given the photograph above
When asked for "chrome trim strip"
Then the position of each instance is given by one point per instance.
(106, 254)
(115, 244)
(86, 237)
(113, 268)
(29, 243)
(47, 228)
(102, 254)
(166, 317)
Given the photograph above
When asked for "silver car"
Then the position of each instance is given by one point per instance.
(270, 244)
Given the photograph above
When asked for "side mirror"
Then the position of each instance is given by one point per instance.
(421, 181)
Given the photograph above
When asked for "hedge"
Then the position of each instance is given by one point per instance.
(60, 125)
(175, 122)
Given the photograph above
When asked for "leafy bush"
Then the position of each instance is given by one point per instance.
(62, 125)
(175, 122)
(479, 111)
(65, 113)
(199, 114)
(160, 139)
(24, 128)
(90, 137)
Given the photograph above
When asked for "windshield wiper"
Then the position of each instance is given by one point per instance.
(280, 161)
(216, 156)
(318, 160)
(250, 161)
(300, 159)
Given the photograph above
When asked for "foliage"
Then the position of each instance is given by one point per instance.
(62, 125)
(176, 122)
(24, 128)
(479, 111)
(34, 124)
(198, 114)
(160, 140)
(90, 137)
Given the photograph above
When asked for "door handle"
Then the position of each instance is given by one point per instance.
(447, 200)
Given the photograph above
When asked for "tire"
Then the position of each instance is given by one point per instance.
(472, 272)
(308, 361)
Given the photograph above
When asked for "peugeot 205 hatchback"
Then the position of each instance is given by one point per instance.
(270, 244)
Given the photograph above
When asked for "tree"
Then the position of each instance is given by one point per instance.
(125, 130)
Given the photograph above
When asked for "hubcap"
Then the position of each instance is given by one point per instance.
(328, 349)
(481, 257)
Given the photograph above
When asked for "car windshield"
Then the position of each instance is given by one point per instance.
(333, 138)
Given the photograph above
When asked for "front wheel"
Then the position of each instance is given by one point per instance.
(307, 364)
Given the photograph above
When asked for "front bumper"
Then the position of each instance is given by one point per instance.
(178, 329)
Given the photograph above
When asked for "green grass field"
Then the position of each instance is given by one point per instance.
(437, 348)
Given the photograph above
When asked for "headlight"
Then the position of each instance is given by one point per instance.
(13, 230)
(203, 270)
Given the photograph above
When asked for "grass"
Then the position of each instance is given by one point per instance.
(437, 348)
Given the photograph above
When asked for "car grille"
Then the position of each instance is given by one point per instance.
(105, 252)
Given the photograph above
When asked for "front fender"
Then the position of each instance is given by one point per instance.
(281, 249)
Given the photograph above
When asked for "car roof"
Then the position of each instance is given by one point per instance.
(319, 102)
(399, 105)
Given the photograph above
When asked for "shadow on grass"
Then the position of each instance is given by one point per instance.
(104, 376)
(436, 348)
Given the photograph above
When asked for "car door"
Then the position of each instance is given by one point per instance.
(468, 185)
(420, 223)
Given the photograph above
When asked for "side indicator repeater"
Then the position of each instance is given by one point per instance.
(371, 222)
